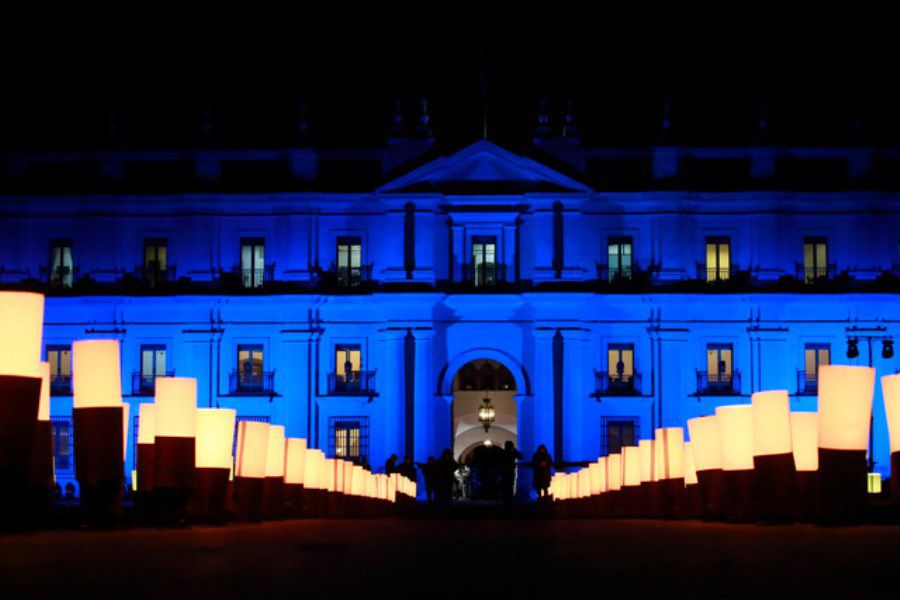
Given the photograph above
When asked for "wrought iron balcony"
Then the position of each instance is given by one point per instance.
(61, 385)
(716, 274)
(615, 275)
(718, 384)
(255, 277)
(153, 275)
(810, 274)
(485, 275)
(351, 277)
(144, 384)
(807, 383)
(612, 384)
(252, 384)
(354, 383)
(60, 277)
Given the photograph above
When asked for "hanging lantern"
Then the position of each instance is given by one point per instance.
(845, 413)
(250, 471)
(486, 413)
(773, 458)
(99, 429)
(212, 462)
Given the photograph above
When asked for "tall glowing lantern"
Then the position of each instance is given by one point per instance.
(736, 441)
(845, 413)
(145, 453)
(693, 503)
(175, 423)
(40, 472)
(648, 499)
(313, 492)
(890, 387)
(668, 453)
(21, 326)
(213, 461)
(273, 492)
(250, 471)
(804, 444)
(773, 458)
(631, 481)
(294, 475)
(98, 416)
(707, 454)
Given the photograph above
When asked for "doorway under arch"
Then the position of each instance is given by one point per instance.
(473, 382)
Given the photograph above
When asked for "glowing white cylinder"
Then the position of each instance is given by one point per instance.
(295, 461)
(275, 452)
(890, 387)
(736, 436)
(96, 376)
(252, 444)
(594, 474)
(614, 472)
(845, 406)
(44, 405)
(631, 466)
(312, 478)
(668, 450)
(771, 423)
(690, 472)
(176, 407)
(21, 332)
(604, 483)
(146, 423)
(706, 446)
(646, 447)
(215, 436)
(805, 440)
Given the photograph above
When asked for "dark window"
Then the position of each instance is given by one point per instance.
(815, 259)
(617, 432)
(62, 269)
(60, 359)
(153, 365)
(156, 260)
(253, 262)
(484, 260)
(619, 257)
(348, 438)
(63, 448)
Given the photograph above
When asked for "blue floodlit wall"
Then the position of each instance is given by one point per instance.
(550, 324)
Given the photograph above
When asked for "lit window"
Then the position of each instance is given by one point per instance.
(618, 432)
(349, 438)
(619, 258)
(484, 260)
(62, 270)
(719, 364)
(620, 359)
(60, 359)
(155, 260)
(253, 262)
(153, 365)
(814, 356)
(347, 367)
(250, 367)
(815, 259)
(349, 261)
(718, 259)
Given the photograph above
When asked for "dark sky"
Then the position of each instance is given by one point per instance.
(252, 63)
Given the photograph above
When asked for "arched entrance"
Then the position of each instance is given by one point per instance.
(474, 445)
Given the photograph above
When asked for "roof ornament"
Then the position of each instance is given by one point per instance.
(543, 128)
(424, 126)
(570, 128)
(398, 122)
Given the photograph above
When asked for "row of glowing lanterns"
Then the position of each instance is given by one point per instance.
(762, 450)
(182, 451)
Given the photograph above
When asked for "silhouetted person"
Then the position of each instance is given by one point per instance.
(542, 463)
(57, 491)
(508, 471)
(445, 473)
(70, 491)
(408, 469)
(391, 465)
(428, 473)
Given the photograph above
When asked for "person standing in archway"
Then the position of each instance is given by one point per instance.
(508, 471)
(542, 463)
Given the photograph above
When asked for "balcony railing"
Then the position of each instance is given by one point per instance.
(615, 275)
(612, 384)
(485, 275)
(355, 383)
(252, 384)
(144, 384)
(152, 275)
(60, 277)
(718, 384)
(810, 274)
(61, 385)
(255, 277)
(350, 277)
(807, 383)
(715, 274)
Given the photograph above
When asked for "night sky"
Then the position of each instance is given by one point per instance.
(251, 65)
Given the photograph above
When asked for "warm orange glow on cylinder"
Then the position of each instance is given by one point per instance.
(573, 485)
(631, 466)
(215, 436)
(44, 405)
(21, 332)
(294, 460)
(176, 407)
(736, 436)
(594, 475)
(845, 406)
(126, 410)
(339, 469)
(646, 447)
(315, 461)
(771, 423)
(705, 444)
(96, 376)
(275, 452)
(348, 477)
(392, 489)
(327, 473)
(252, 444)
(690, 472)
(146, 423)
(668, 451)
(614, 472)
(805, 440)
(890, 387)
(604, 484)
(358, 487)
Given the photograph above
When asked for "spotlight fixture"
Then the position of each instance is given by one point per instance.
(852, 348)
(887, 349)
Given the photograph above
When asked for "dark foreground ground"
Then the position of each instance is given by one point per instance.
(443, 557)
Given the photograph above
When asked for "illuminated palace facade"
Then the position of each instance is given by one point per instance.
(368, 299)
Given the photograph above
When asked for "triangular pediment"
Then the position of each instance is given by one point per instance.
(483, 168)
